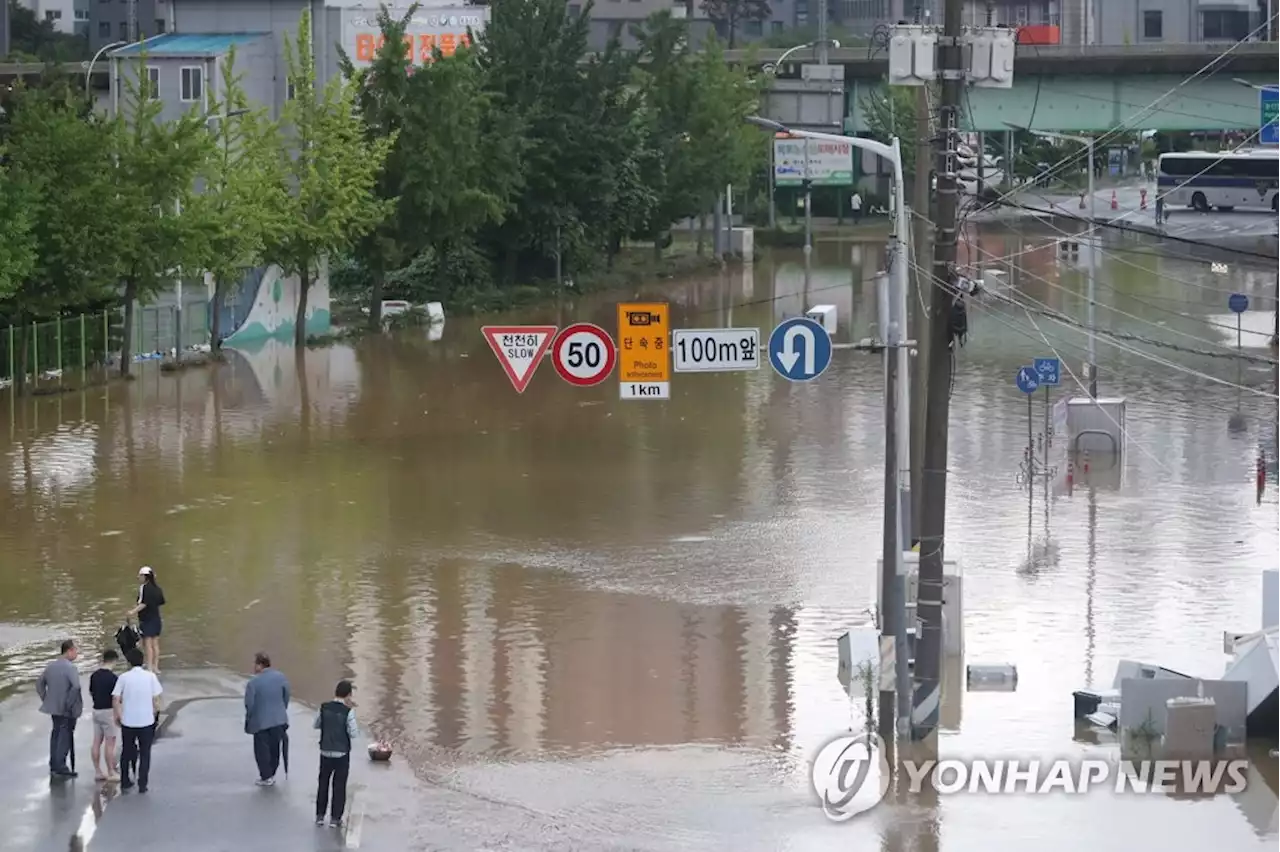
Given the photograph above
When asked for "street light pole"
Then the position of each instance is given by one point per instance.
(897, 413)
(1088, 142)
(771, 70)
(88, 73)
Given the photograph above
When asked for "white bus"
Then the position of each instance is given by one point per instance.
(1201, 180)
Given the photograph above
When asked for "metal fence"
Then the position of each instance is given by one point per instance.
(90, 340)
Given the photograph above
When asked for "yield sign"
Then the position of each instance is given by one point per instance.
(519, 349)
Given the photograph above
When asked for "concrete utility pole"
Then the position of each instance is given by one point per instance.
(921, 244)
(942, 296)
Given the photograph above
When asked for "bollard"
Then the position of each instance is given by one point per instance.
(1082, 201)
(1143, 195)
(1115, 205)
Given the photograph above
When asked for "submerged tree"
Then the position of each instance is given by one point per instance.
(243, 199)
(57, 177)
(330, 169)
(155, 165)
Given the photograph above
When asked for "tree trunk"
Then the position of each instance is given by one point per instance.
(657, 245)
(126, 344)
(702, 234)
(21, 366)
(375, 299)
(215, 322)
(300, 323)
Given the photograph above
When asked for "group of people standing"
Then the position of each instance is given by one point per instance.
(130, 702)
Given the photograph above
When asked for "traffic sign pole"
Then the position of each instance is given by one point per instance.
(1238, 303)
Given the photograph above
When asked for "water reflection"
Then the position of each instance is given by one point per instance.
(606, 608)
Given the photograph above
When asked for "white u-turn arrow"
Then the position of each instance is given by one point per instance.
(788, 356)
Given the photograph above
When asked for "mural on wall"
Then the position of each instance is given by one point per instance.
(270, 366)
(273, 309)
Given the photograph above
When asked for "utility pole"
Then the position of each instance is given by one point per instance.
(921, 236)
(942, 296)
(895, 687)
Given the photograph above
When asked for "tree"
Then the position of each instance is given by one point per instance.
(31, 36)
(17, 237)
(330, 169)
(576, 145)
(156, 165)
(728, 15)
(891, 111)
(698, 104)
(382, 95)
(241, 207)
(57, 177)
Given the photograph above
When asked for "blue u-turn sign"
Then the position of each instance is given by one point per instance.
(799, 349)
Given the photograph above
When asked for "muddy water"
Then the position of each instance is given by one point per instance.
(614, 623)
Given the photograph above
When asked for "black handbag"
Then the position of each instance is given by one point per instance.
(127, 638)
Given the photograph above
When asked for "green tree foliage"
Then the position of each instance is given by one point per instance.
(242, 200)
(891, 111)
(696, 104)
(729, 15)
(575, 128)
(330, 169)
(156, 164)
(32, 38)
(57, 177)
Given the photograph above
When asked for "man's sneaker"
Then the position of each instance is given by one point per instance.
(319, 820)
(264, 782)
(335, 823)
(126, 785)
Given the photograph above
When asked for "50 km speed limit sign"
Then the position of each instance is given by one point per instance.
(584, 354)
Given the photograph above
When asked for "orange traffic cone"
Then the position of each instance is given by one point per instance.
(1114, 204)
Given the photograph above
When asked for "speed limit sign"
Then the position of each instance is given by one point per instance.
(584, 354)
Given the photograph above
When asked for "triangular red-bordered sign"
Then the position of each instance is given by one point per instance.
(520, 356)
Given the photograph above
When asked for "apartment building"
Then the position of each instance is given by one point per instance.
(111, 21)
(1180, 21)
(189, 40)
(70, 17)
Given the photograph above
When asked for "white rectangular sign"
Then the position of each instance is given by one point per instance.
(830, 163)
(715, 350)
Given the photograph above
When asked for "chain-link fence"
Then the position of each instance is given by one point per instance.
(92, 340)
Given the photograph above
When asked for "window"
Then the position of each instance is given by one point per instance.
(153, 82)
(160, 26)
(289, 92)
(53, 15)
(82, 14)
(802, 13)
(1221, 25)
(753, 28)
(104, 29)
(192, 84)
(1153, 24)
(575, 10)
(124, 30)
(776, 26)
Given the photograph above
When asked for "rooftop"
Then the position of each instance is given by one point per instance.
(189, 44)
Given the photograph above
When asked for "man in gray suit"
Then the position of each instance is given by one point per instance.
(60, 698)
(266, 717)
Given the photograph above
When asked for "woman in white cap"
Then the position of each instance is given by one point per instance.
(150, 599)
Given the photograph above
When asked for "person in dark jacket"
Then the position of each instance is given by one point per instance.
(150, 599)
(266, 717)
(61, 699)
(336, 722)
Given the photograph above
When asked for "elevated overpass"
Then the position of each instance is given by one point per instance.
(1059, 87)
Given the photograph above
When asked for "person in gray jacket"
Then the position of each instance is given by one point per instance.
(266, 717)
(60, 697)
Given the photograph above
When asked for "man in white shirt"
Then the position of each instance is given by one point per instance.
(855, 205)
(136, 701)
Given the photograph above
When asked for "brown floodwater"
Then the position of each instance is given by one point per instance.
(614, 623)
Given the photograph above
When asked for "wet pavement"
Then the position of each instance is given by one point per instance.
(589, 623)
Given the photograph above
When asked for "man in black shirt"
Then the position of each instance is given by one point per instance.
(101, 684)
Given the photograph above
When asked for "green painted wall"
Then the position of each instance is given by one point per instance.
(1211, 102)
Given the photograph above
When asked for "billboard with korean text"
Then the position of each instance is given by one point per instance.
(443, 28)
(830, 162)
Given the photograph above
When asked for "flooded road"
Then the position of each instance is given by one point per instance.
(614, 623)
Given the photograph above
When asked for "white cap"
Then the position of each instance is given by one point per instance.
(145, 569)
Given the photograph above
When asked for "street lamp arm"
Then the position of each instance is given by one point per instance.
(835, 44)
(878, 148)
(88, 71)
